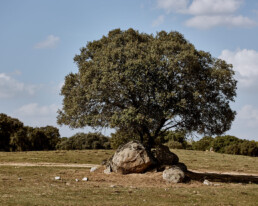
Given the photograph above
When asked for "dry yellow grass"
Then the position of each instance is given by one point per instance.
(37, 185)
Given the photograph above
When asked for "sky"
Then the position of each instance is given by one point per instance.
(39, 39)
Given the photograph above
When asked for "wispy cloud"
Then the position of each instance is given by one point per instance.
(172, 5)
(211, 7)
(10, 87)
(208, 13)
(245, 63)
(158, 21)
(206, 21)
(50, 42)
(34, 109)
(36, 115)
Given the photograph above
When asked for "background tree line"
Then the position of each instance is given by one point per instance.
(14, 136)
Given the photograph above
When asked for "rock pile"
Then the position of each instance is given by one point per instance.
(133, 157)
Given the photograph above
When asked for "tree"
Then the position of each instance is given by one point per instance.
(51, 135)
(19, 140)
(8, 127)
(81, 141)
(121, 137)
(176, 139)
(149, 84)
(203, 144)
(219, 143)
(43, 138)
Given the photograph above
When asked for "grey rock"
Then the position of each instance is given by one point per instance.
(131, 158)
(85, 179)
(57, 178)
(108, 170)
(207, 182)
(93, 169)
(173, 174)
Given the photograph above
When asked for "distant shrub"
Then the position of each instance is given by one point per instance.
(175, 145)
(177, 135)
(220, 143)
(203, 144)
(249, 148)
(175, 139)
(227, 144)
(233, 149)
(121, 137)
(81, 141)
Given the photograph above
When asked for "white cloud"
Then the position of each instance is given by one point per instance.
(10, 87)
(35, 115)
(208, 13)
(245, 63)
(50, 42)
(33, 109)
(172, 5)
(208, 7)
(158, 21)
(206, 21)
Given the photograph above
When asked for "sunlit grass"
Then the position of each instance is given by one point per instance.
(197, 160)
(37, 186)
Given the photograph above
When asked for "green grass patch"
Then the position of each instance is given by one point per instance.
(197, 160)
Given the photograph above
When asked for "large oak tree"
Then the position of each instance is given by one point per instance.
(148, 84)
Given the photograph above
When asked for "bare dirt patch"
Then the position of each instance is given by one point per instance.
(47, 164)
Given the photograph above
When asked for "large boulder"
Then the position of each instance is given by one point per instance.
(164, 156)
(174, 174)
(131, 158)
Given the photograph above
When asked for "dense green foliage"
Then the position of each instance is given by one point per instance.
(8, 127)
(227, 144)
(221, 142)
(81, 141)
(203, 144)
(14, 136)
(148, 84)
(176, 139)
(121, 137)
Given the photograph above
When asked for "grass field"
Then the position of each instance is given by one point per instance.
(37, 186)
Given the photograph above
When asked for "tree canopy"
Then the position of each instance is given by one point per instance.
(14, 136)
(148, 84)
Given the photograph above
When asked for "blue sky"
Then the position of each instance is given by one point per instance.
(39, 39)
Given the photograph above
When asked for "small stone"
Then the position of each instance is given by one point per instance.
(57, 178)
(76, 180)
(113, 186)
(19, 178)
(108, 170)
(93, 169)
(68, 183)
(207, 182)
(173, 174)
(85, 179)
